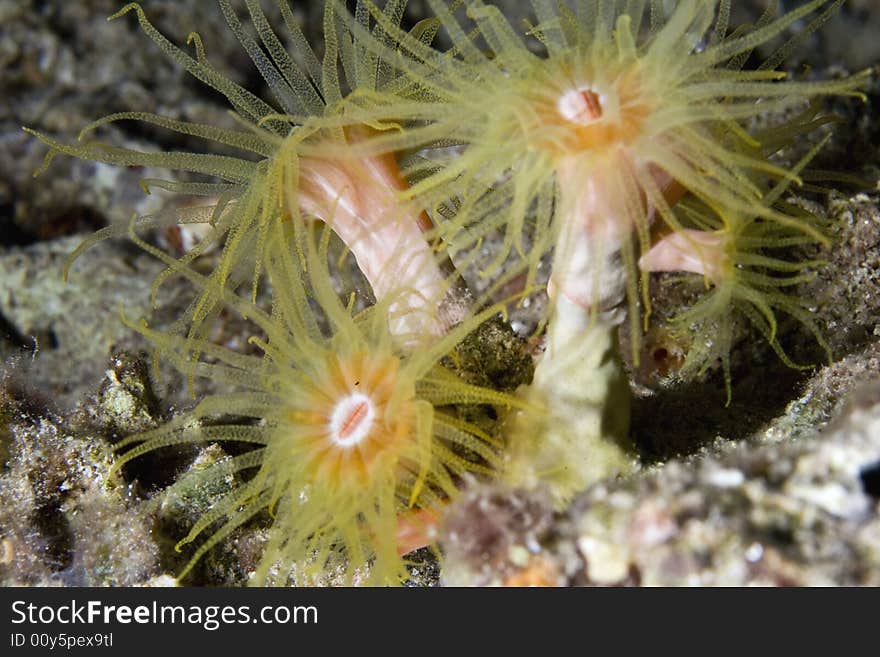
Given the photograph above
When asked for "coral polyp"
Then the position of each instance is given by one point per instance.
(352, 437)
(580, 136)
(589, 127)
(745, 266)
(290, 163)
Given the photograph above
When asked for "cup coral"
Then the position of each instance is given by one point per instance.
(616, 136)
(291, 166)
(745, 265)
(584, 144)
(350, 436)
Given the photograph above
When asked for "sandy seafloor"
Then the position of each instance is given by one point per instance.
(780, 488)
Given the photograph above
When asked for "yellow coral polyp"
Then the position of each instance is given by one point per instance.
(351, 436)
(743, 270)
(631, 107)
(290, 158)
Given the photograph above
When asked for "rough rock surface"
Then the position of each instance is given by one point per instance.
(62, 521)
(795, 513)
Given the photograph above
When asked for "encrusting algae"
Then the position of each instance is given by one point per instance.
(614, 136)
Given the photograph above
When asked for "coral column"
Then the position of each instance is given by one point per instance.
(579, 383)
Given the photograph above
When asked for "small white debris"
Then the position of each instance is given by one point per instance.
(726, 478)
(606, 563)
(754, 552)
(518, 556)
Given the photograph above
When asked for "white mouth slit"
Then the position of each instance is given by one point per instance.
(352, 419)
(581, 105)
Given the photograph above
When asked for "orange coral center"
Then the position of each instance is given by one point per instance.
(355, 421)
(573, 117)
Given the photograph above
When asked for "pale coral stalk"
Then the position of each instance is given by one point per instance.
(579, 381)
(359, 198)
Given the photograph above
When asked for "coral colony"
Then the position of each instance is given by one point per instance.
(610, 138)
